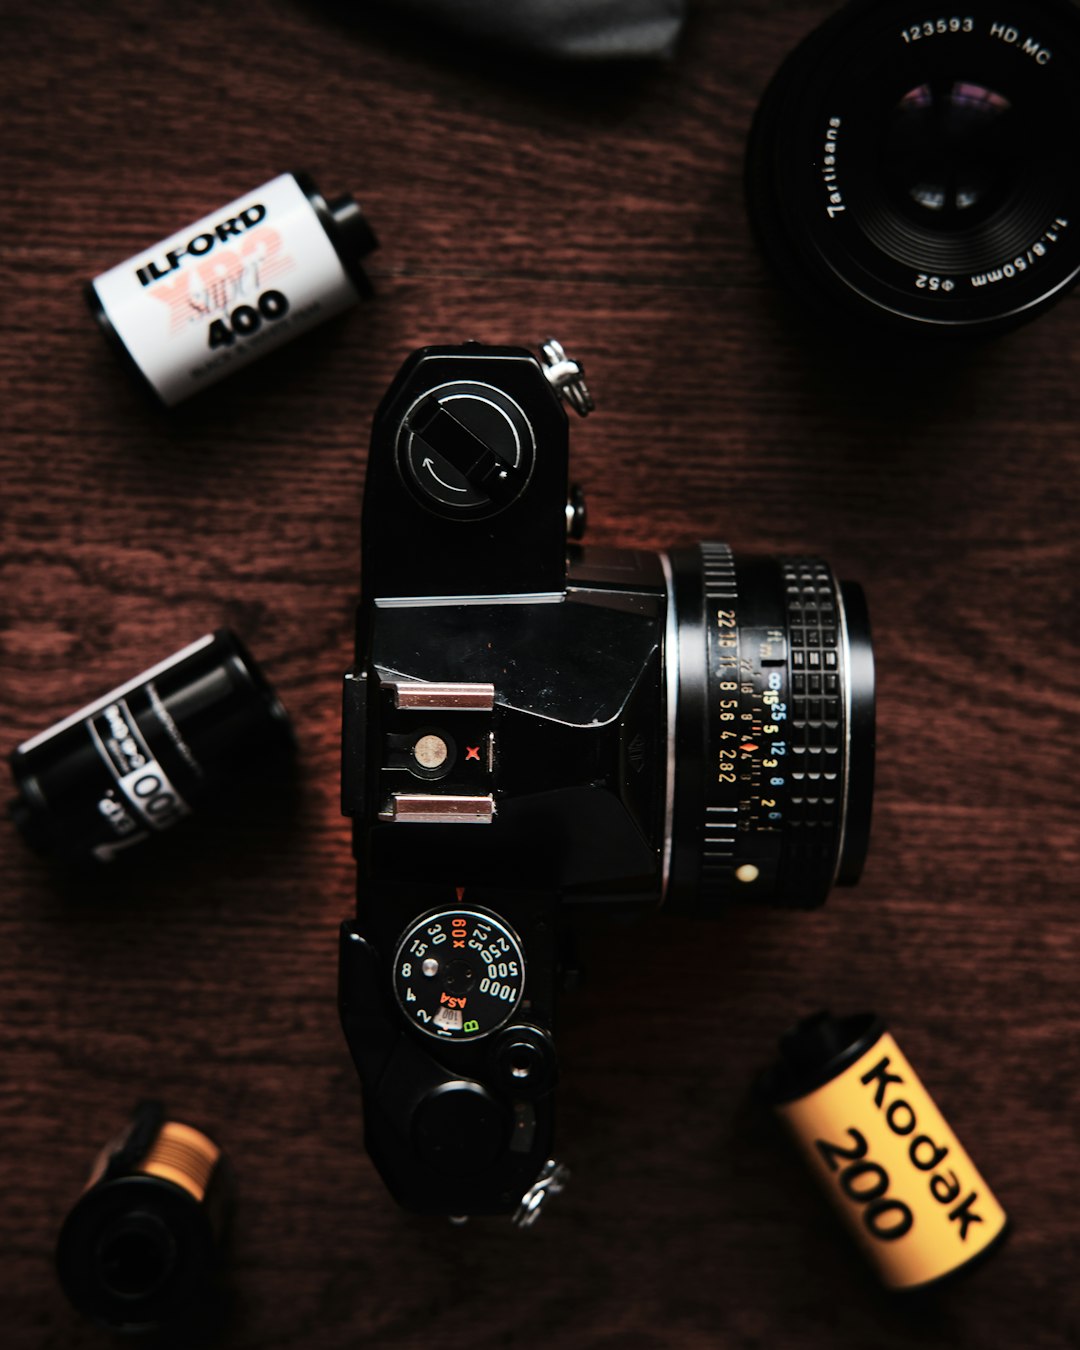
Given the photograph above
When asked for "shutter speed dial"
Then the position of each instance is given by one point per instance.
(466, 449)
(459, 974)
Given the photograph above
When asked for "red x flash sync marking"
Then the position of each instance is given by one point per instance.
(472, 752)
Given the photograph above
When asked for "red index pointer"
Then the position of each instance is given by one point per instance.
(472, 752)
(747, 747)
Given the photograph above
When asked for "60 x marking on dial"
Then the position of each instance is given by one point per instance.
(459, 974)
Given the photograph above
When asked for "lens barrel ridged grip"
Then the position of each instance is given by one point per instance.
(817, 719)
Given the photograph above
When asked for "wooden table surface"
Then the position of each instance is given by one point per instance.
(604, 207)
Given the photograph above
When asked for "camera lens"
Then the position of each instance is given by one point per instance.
(770, 680)
(919, 168)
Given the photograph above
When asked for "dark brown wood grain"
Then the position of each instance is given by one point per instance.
(606, 208)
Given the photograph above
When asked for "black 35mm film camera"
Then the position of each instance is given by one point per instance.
(534, 728)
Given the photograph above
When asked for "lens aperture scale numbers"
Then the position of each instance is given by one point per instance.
(752, 687)
(762, 749)
(459, 974)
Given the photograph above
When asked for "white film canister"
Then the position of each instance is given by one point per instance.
(233, 286)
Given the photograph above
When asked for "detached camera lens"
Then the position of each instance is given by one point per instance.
(920, 168)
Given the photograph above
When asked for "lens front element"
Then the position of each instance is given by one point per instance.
(921, 170)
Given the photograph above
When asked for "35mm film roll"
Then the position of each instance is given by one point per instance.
(234, 285)
(888, 1160)
(136, 762)
(140, 1250)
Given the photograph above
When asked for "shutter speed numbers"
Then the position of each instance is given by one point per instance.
(459, 974)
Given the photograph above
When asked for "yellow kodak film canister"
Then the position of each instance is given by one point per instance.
(885, 1154)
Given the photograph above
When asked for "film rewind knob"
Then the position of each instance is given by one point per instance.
(467, 448)
(491, 477)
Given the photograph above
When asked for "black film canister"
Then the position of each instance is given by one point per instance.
(231, 287)
(140, 1250)
(147, 754)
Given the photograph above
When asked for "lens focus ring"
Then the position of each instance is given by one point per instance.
(817, 715)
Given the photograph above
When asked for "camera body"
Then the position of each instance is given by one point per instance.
(502, 756)
(511, 731)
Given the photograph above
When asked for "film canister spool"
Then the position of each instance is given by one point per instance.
(147, 754)
(233, 286)
(140, 1250)
(899, 1177)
